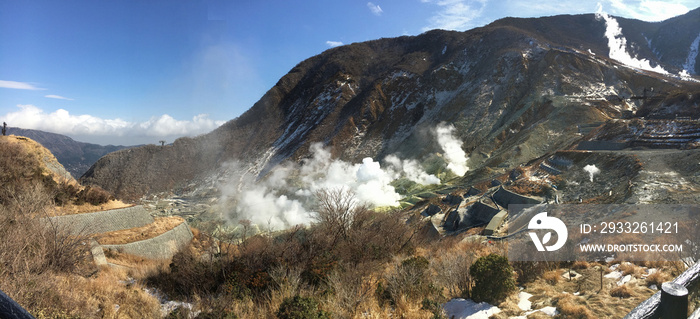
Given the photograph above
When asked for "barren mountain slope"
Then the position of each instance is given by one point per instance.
(515, 90)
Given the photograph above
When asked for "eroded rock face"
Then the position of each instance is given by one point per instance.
(515, 90)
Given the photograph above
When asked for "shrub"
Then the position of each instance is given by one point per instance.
(529, 271)
(452, 272)
(94, 195)
(493, 279)
(298, 307)
(409, 281)
(318, 270)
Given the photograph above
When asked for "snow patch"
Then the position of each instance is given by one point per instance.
(524, 302)
(689, 65)
(615, 275)
(624, 280)
(549, 310)
(459, 308)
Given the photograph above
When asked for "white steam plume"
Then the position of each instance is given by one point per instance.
(592, 170)
(618, 45)
(452, 147)
(410, 169)
(285, 198)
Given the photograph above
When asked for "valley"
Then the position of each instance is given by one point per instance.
(382, 179)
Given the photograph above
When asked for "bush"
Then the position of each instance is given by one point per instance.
(452, 272)
(529, 271)
(493, 279)
(298, 307)
(409, 280)
(94, 195)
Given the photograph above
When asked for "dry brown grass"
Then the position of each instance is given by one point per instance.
(35, 149)
(621, 292)
(569, 307)
(630, 269)
(50, 273)
(580, 265)
(107, 295)
(135, 266)
(71, 209)
(552, 277)
(124, 236)
(657, 279)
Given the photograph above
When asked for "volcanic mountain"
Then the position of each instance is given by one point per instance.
(515, 90)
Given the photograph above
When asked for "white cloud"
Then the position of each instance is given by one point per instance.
(334, 44)
(18, 85)
(375, 8)
(53, 96)
(455, 14)
(647, 10)
(93, 129)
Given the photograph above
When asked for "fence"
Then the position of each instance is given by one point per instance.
(672, 300)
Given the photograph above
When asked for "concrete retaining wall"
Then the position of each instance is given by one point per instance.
(160, 247)
(104, 221)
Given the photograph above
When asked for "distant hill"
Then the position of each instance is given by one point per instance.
(76, 157)
(515, 90)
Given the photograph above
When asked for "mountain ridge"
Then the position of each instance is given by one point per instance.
(514, 92)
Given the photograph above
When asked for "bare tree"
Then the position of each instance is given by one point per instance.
(337, 209)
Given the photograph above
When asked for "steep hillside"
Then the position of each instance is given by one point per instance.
(514, 90)
(28, 170)
(76, 157)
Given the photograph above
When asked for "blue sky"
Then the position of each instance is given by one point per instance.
(132, 72)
